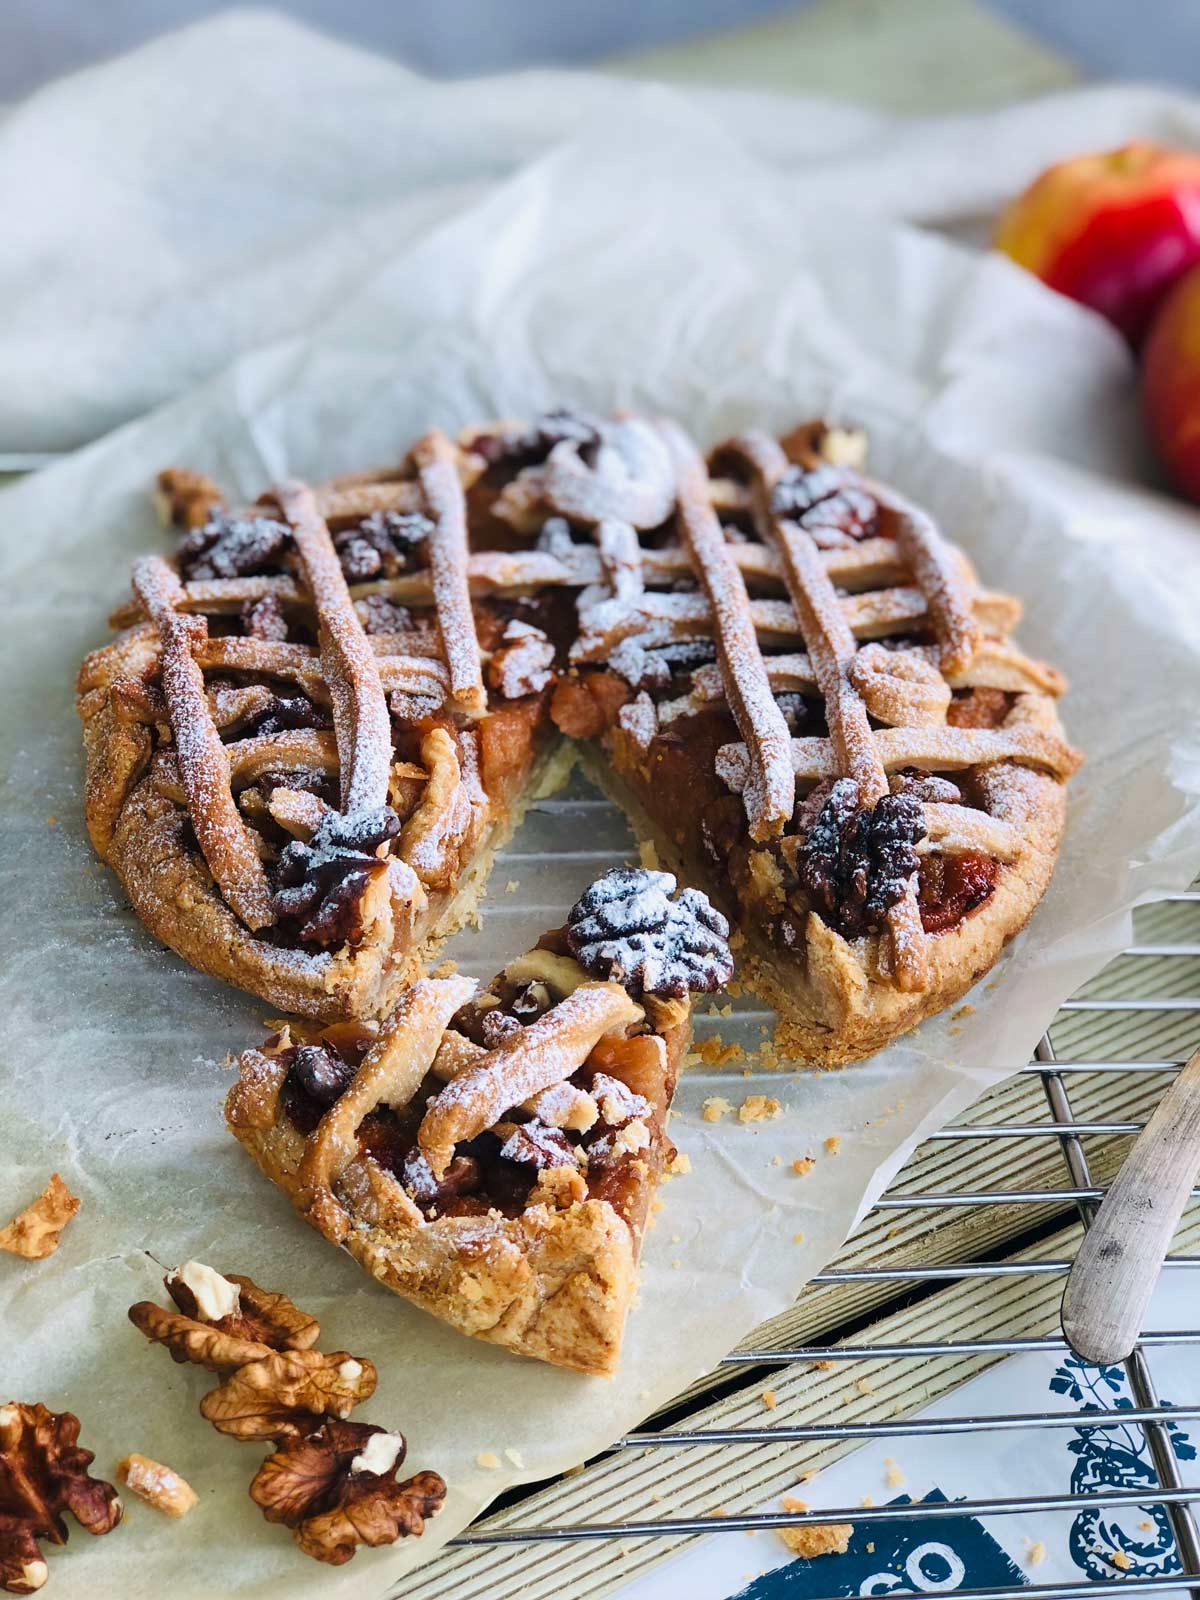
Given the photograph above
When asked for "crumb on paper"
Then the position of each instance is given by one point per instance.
(833, 1144)
(824, 1366)
(864, 1386)
(716, 1107)
(759, 1108)
(803, 1165)
(718, 1511)
(769, 1399)
(512, 886)
(867, 1501)
(714, 1052)
(870, 1548)
(1121, 1560)
(776, 1161)
(676, 1264)
(648, 854)
(1036, 1553)
(679, 1163)
(797, 1238)
(488, 1459)
(893, 1477)
(821, 1539)
(36, 1232)
(52, 822)
(790, 1503)
(515, 1457)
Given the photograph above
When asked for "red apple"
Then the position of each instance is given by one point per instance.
(1113, 230)
(1171, 383)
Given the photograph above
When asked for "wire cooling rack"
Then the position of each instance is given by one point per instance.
(940, 1281)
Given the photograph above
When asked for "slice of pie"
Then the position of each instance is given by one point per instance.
(491, 1155)
(326, 712)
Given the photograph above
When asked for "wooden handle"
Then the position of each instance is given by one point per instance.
(1122, 1253)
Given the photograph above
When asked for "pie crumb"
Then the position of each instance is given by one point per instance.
(823, 1539)
(803, 1165)
(894, 1478)
(790, 1503)
(833, 1144)
(824, 1366)
(1121, 1560)
(679, 1163)
(759, 1108)
(865, 1386)
(797, 1238)
(714, 1052)
(487, 1458)
(768, 1399)
(512, 886)
(716, 1107)
(1036, 1553)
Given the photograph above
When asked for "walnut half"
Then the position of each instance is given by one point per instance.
(223, 1322)
(44, 1472)
(337, 1489)
(287, 1393)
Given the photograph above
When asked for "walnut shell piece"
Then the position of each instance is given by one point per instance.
(287, 1394)
(36, 1232)
(323, 1488)
(158, 1485)
(44, 1472)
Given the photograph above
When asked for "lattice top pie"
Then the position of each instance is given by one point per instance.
(326, 710)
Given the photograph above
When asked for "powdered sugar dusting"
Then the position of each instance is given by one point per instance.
(349, 665)
(224, 839)
(443, 491)
(770, 792)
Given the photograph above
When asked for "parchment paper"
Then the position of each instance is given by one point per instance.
(651, 264)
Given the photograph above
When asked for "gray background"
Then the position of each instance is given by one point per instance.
(39, 39)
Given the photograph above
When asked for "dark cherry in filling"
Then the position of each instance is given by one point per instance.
(951, 887)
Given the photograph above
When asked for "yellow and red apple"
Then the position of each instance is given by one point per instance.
(1171, 383)
(1113, 230)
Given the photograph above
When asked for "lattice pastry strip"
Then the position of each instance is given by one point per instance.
(832, 649)
(348, 663)
(535, 1059)
(770, 793)
(442, 488)
(929, 749)
(227, 844)
(391, 1073)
